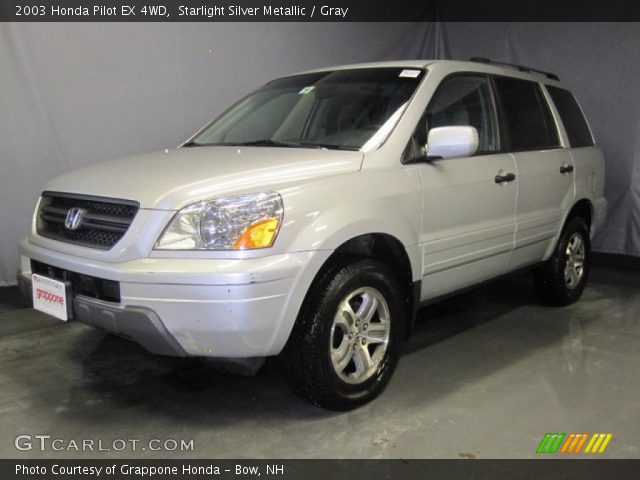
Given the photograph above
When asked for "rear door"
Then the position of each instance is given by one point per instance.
(545, 170)
(468, 203)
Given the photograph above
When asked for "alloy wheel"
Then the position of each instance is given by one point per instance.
(575, 258)
(360, 335)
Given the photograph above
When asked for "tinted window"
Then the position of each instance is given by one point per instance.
(465, 100)
(572, 117)
(528, 120)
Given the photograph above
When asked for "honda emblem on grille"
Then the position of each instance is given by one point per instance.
(74, 218)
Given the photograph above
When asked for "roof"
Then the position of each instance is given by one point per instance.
(454, 65)
(391, 64)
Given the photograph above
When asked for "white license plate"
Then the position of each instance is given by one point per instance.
(51, 296)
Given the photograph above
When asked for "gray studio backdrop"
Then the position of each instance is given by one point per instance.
(76, 94)
(73, 94)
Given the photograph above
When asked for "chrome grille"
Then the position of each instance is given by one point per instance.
(103, 223)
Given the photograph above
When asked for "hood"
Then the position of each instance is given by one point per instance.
(170, 179)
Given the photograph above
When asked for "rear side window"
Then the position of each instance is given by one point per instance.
(572, 117)
(528, 121)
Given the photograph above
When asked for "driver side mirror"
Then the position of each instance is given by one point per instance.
(452, 142)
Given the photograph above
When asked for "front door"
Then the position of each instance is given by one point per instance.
(468, 203)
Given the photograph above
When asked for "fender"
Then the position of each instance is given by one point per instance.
(361, 210)
(315, 225)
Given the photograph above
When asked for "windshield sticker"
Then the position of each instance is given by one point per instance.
(410, 73)
(306, 90)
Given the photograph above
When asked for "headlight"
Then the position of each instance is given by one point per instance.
(241, 222)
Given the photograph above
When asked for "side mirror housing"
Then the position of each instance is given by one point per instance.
(452, 142)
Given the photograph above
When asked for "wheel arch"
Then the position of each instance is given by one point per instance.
(388, 249)
(583, 208)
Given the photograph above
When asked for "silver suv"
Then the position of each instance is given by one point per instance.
(314, 217)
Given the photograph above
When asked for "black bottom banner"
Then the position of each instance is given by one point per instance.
(320, 469)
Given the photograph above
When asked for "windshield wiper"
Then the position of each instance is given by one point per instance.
(256, 143)
(326, 146)
(275, 143)
(272, 143)
(263, 143)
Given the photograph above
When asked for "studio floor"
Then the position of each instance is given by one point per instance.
(485, 375)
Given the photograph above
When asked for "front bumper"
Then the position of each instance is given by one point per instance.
(142, 325)
(192, 307)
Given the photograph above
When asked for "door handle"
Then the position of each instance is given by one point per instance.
(502, 177)
(566, 168)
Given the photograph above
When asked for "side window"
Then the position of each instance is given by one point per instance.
(528, 120)
(572, 117)
(465, 100)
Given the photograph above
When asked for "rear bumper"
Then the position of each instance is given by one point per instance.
(192, 307)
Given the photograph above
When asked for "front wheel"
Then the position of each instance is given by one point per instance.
(347, 339)
(561, 280)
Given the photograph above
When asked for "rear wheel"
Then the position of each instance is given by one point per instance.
(561, 280)
(347, 339)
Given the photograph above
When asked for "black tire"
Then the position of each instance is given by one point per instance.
(307, 356)
(552, 285)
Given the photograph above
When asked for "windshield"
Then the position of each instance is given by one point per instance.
(343, 109)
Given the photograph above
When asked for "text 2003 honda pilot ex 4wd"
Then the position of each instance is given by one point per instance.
(313, 217)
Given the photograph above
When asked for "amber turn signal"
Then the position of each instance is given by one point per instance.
(260, 234)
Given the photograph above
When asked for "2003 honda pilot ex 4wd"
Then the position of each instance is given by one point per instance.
(313, 217)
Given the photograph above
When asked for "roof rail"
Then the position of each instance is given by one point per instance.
(521, 68)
